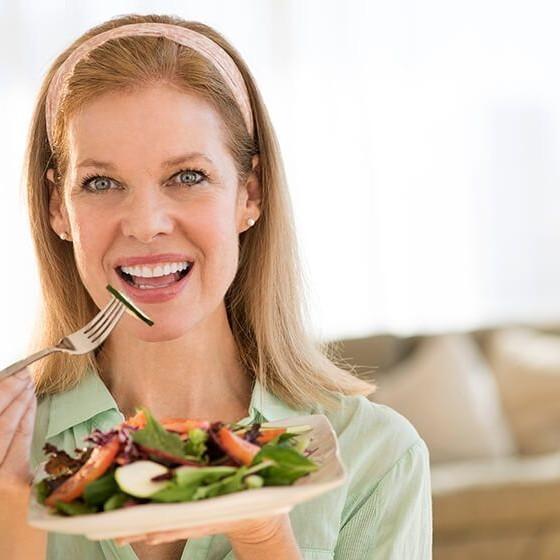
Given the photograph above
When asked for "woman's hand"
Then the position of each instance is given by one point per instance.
(270, 537)
(17, 417)
(18, 407)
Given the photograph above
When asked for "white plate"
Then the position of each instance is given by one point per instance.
(239, 505)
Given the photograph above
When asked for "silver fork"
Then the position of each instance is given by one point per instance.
(85, 340)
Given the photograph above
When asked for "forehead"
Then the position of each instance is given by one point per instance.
(148, 125)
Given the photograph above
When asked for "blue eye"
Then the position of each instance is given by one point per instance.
(101, 183)
(189, 176)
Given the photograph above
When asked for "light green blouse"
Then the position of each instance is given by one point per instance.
(383, 512)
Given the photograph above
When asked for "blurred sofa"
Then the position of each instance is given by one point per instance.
(487, 403)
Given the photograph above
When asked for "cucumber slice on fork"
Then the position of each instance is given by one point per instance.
(129, 306)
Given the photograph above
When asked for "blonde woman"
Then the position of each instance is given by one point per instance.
(152, 165)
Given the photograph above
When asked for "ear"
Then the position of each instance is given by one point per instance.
(57, 211)
(251, 196)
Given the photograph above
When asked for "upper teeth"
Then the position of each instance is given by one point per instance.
(148, 271)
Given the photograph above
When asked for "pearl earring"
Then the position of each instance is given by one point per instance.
(251, 222)
(63, 236)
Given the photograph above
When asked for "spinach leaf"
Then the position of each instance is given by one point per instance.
(42, 491)
(289, 465)
(154, 435)
(99, 491)
(75, 508)
(173, 492)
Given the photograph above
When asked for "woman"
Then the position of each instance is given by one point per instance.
(152, 165)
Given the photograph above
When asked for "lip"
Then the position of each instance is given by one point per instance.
(154, 295)
(153, 259)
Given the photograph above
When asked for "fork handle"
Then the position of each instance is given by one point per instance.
(15, 367)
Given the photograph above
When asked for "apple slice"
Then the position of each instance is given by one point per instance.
(136, 478)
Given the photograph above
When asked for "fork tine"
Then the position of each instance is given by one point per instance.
(100, 316)
(101, 336)
(100, 327)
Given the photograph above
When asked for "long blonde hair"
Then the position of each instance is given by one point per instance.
(265, 303)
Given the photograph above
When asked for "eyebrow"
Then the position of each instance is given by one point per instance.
(90, 162)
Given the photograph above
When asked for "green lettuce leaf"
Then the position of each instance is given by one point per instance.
(116, 501)
(187, 476)
(187, 480)
(195, 446)
(227, 485)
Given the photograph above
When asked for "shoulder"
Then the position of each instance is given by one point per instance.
(368, 424)
(373, 438)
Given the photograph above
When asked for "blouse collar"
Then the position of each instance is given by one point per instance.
(91, 397)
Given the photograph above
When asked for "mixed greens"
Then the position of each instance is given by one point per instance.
(176, 460)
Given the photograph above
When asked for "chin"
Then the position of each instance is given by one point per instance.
(161, 331)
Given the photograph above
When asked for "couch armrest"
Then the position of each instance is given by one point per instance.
(500, 493)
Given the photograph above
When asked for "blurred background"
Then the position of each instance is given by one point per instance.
(420, 140)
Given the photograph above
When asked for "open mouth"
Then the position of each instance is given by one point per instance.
(153, 278)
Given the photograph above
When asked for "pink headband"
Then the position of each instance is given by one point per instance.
(187, 37)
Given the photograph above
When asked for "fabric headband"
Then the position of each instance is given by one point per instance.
(187, 37)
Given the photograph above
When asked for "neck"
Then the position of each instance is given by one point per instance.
(196, 376)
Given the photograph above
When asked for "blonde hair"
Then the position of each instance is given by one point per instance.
(265, 303)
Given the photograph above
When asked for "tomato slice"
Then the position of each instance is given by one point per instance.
(237, 448)
(269, 434)
(99, 461)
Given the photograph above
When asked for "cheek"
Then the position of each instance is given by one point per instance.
(220, 235)
(91, 239)
(219, 239)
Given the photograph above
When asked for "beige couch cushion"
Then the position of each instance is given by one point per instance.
(448, 393)
(527, 366)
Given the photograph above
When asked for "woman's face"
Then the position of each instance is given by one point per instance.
(151, 187)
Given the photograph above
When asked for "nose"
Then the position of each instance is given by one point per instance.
(146, 215)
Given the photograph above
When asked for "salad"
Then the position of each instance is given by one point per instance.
(144, 461)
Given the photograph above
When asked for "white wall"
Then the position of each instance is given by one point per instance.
(420, 140)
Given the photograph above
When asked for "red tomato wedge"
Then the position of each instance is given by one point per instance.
(237, 448)
(99, 461)
(137, 421)
(183, 425)
(269, 434)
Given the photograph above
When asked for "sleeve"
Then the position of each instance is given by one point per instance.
(395, 520)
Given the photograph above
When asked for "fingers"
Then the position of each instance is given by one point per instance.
(11, 417)
(12, 386)
(243, 526)
(121, 541)
(156, 537)
(17, 457)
